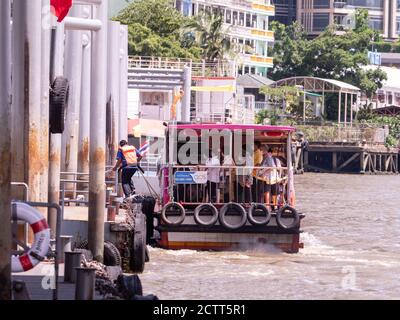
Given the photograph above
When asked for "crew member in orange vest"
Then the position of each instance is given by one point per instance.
(127, 160)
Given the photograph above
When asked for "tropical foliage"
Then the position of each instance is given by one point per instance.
(210, 34)
(366, 116)
(330, 55)
(155, 30)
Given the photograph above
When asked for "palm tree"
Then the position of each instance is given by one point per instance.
(210, 33)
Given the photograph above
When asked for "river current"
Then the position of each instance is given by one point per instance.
(351, 237)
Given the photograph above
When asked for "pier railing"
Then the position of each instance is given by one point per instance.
(339, 134)
(200, 68)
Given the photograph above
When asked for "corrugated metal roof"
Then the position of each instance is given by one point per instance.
(253, 81)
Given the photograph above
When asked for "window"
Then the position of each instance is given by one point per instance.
(228, 16)
(235, 18)
(254, 20)
(320, 21)
(398, 25)
(241, 19)
(376, 22)
(321, 4)
(366, 3)
(248, 20)
(178, 4)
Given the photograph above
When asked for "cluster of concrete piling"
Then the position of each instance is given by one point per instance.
(92, 53)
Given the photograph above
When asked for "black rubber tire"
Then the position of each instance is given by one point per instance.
(59, 95)
(112, 256)
(138, 249)
(224, 211)
(201, 207)
(130, 286)
(180, 208)
(147, 259)
(259, 206)
(148, 206)
(296, 220)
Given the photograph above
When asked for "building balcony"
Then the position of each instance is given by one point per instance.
(250, 33)
(267, 34)
(259, 61)
(262, 8)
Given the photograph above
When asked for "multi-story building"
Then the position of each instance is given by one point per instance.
(316, 15)
(285, 11)
(247, 25)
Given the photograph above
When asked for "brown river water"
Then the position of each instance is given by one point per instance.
(352, 250)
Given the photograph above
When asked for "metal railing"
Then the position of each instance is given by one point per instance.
(240, 184)
(200, 68)
(335, 134)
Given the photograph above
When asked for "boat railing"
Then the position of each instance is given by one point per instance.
(196, 184)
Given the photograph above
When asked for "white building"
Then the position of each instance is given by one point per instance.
(389, 94)
(247, 24)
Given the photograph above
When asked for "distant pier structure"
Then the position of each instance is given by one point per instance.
(348, 150)
(342, 147)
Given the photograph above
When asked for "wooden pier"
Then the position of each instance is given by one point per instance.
(347, 158)
(348, 150)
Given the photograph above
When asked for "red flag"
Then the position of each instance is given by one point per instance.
(61, 8)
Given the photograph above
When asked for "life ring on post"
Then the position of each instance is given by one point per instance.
(40, 247)
(239, 209)
(289, 210)
(203, 207)
(179, 208)
(259, 207)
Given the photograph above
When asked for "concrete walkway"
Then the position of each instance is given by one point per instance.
(38, 281)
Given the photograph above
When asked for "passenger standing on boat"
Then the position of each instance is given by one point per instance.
(244, 180)
(228, 177)
(271, 176)
(127, 161)
(213, 175)
(258, 185)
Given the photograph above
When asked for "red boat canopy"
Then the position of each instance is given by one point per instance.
(210, 126)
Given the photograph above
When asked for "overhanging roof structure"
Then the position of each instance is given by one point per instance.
(317, 85)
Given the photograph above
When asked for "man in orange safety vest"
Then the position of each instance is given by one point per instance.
(127, 160)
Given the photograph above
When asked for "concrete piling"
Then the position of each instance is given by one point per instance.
(5, 146)
(98, 135)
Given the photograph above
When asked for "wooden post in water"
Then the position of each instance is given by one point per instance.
(362, 159)
(334, 161)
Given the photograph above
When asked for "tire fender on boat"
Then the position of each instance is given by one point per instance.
(41, 244)
(259, 207)
(225, 209)
(296, 218)
(180, 209)
(202, 207)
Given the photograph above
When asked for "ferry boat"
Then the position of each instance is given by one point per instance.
(213, 194)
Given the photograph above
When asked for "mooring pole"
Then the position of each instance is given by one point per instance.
(123, 84)
(113, 91)
(5, 145)
(84, 118)
(44, 112)
(57, 70)
(73, 71)
(97, 197)
(187, 75)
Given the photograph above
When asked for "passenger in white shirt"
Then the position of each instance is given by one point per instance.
(213, 176)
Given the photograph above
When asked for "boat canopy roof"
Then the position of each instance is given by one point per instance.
(210, 126)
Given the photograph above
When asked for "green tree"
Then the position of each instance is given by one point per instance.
(331, 55)
(210, 34)
(155, 30)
